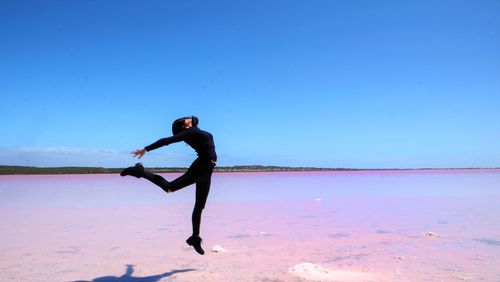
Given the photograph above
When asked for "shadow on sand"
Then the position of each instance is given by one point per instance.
(127, 277)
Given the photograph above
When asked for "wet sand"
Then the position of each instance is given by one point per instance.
(355, 226)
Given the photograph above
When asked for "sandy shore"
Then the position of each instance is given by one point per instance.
(104, 228)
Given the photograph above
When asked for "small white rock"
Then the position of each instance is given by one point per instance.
(431, 234)
(217, 249)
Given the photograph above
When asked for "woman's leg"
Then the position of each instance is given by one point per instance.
(182, 181)
(156, 179)
(194, 173)
(202, 190)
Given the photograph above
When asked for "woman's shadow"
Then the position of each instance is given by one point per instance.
(127, 277)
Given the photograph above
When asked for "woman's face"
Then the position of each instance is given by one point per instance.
(188, 123)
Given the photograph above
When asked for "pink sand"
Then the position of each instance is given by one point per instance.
(360, 226)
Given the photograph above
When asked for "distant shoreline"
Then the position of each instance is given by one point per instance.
(32, 170)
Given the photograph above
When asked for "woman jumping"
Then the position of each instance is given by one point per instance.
(200, 172)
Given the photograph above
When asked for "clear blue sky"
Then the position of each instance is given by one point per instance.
(361, 84)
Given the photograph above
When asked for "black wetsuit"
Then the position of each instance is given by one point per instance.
(200, 171)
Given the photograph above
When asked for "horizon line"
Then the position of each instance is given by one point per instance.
(267, 166)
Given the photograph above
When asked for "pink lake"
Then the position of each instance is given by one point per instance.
(360, 226)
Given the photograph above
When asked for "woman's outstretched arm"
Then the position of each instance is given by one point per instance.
(166, 141)
(160, 143)
(181, 136)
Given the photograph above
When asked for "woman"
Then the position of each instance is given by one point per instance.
(200, 172)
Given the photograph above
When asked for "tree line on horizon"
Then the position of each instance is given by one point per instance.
(5, 170)
(13, 170)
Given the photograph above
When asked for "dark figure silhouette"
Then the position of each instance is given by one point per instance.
(127, 277)
(200, 172)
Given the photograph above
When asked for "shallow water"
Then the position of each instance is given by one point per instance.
(371, 224)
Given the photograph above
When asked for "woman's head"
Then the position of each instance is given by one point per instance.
(184, 123)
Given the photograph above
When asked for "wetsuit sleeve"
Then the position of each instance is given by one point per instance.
(181, 136)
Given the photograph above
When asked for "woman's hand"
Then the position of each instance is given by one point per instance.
(139, 153)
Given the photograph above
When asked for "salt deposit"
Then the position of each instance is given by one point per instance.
(314, 272)
(311, 271)
(217, 249)
(432, 235)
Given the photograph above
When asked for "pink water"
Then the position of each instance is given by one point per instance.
(369, 224)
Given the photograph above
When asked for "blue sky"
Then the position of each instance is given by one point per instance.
(360, 84)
